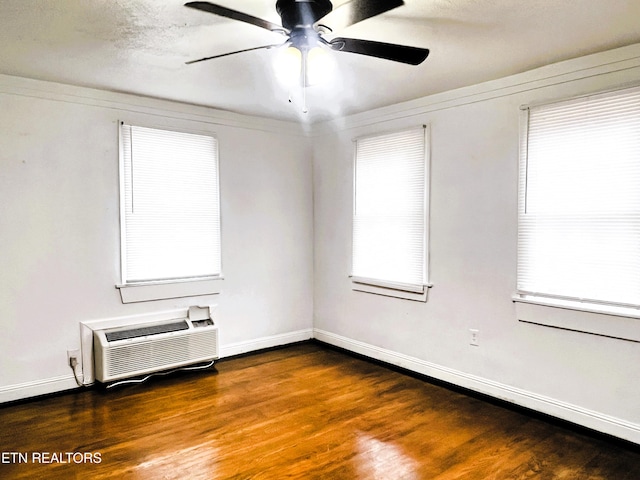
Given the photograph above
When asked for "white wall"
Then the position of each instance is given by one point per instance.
(59, 226)
(287, 255)
(585, 378)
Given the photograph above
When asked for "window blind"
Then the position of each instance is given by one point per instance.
(389, 220)
(171, 211)
(579, 205)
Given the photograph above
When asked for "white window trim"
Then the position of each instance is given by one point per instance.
(161, 289)
(408, 292)
(580, 315)
(606, 321)
(144, 292)
(394, 289)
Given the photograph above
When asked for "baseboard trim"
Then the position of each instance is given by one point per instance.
(23, 391)
(247, 346)
(565, 411)
(36, 388)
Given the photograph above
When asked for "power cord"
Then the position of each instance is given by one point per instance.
(144, 379)
(73, 363)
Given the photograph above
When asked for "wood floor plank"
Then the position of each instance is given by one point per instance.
(305, 411)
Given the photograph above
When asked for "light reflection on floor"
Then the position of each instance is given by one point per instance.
(195, 462)
(377, 459)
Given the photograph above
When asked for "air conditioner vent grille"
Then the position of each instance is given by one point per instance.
(150, 348)
(160, 353)
(144, 331)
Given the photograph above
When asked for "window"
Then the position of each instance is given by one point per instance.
(390, 214)
(170, 209)
(579, 202)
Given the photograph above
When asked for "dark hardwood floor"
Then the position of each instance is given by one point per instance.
(305, 411)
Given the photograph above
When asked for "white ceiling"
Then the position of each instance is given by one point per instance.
(140, 46)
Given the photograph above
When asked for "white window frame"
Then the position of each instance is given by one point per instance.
(552, 308)
(385, 287)
(157, 289)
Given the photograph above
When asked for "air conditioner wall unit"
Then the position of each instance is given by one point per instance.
(147, 348)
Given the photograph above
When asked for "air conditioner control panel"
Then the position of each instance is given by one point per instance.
(202, 323)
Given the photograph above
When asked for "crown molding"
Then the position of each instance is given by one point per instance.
(28, 87)
(624, 61)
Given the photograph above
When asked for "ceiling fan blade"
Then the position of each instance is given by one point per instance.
(233, 14)
(357, 10)
(233, 53)
(388, 51)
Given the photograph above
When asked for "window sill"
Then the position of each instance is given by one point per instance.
(146, 292)
(390, 290)
(614, 322)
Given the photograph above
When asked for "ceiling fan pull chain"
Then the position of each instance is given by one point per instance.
(304, 100)
(305, 80)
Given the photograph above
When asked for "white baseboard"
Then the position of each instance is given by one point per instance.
(26, 390)
(575, 414)
(265, 342)
(36, 388)
(581, 416)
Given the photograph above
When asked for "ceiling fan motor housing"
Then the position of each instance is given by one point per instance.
(296, 14)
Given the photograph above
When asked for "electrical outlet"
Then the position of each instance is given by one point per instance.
(73, 354)
(474, 338)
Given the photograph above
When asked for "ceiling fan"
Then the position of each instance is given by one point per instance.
(305, 21)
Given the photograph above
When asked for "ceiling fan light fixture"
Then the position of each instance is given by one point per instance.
(288, 65)
(320, 66)
(303, 67)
